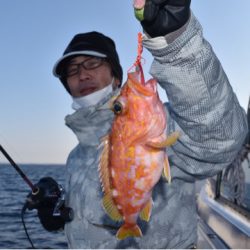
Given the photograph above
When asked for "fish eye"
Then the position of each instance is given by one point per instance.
(117, 108)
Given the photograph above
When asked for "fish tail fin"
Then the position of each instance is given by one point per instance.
(128, 231)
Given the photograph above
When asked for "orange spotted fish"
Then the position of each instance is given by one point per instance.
(133, 157)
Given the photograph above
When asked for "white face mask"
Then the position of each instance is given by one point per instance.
(93, 98)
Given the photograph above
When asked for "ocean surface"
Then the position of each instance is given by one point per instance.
(13, 192)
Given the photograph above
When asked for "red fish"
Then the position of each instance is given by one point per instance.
(134, 157)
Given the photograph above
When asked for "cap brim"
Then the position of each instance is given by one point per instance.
(75, 53)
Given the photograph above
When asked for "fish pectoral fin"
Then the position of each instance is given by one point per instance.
(166, 170)
(171, 139)
(128, 231)
(146, 211)
(110, 208)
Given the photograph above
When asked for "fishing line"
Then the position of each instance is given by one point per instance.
(24, 226)
(137, 64)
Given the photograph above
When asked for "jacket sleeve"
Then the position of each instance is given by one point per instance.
(202, 104)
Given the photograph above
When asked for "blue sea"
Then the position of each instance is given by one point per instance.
(13, 192)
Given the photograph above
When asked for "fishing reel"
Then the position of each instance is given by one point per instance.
(48, 197)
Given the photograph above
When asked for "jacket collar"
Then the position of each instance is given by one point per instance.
(92, 123)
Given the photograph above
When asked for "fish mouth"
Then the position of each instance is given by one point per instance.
(147, 89)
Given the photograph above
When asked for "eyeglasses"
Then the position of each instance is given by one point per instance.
(90, 63)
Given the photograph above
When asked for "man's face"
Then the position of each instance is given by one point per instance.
(83, 80)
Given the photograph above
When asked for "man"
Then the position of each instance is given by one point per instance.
(202, 106)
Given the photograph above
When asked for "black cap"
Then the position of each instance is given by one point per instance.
(93, 44)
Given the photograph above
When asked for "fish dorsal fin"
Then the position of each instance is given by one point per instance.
(104, 165)
(146, 212)
(171, 139)
(110, 208)
(108, 202)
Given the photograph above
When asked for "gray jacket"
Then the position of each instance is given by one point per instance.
(202, 106)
